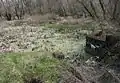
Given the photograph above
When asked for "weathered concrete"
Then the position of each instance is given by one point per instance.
(99, 43)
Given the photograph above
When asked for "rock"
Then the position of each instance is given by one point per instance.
(91, 61)
(58, 55)
(98, 33)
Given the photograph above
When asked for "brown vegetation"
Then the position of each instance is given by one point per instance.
(97, 9)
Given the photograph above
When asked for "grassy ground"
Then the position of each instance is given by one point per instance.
(66, 28)
(17, 67)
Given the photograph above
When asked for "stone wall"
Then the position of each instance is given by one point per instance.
(99, 46)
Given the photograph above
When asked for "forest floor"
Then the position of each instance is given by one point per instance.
(26, 54)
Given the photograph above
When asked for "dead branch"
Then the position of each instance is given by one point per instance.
(93, 8)
(86, 8)
(103, 8)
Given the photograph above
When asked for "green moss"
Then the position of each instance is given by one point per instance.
(15, 67)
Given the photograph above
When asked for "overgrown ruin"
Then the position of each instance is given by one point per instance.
(102, 44)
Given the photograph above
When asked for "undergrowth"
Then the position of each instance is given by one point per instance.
(67, 28)
(18, 67)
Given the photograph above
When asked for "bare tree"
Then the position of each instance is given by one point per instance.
(115, 8)
(6, 5)
(18, 8)
(94, 10)
(86, 8)
(28, 6)
(102, 7)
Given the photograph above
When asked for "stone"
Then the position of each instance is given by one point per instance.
(100, 43)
